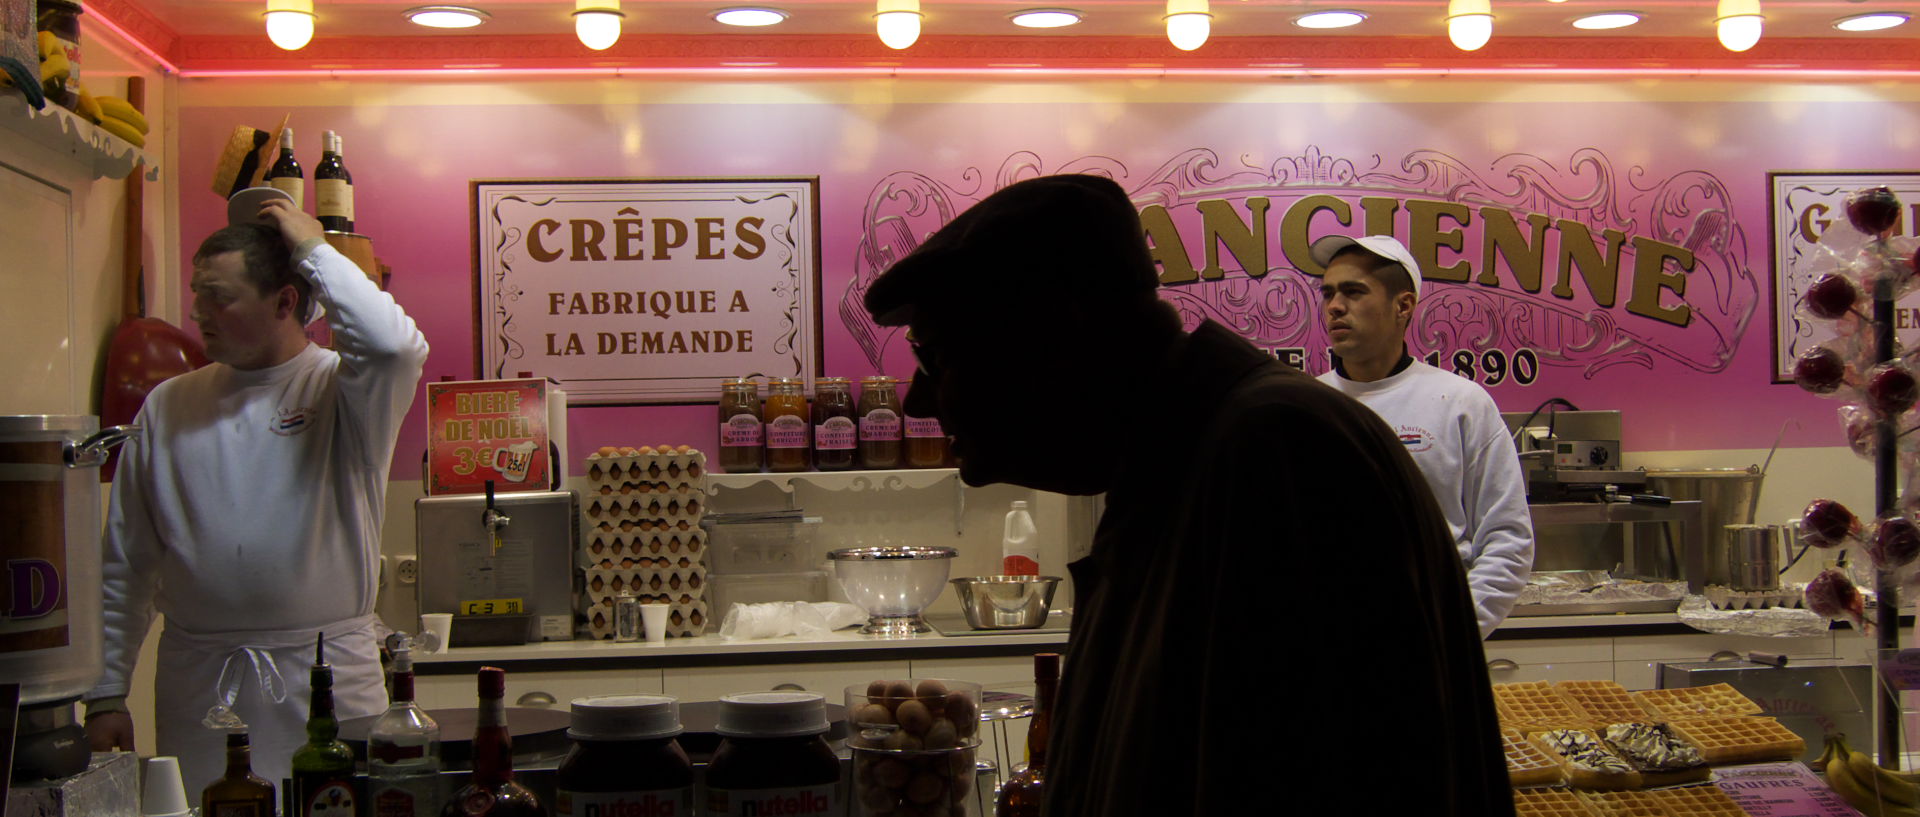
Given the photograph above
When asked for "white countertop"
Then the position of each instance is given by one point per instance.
(849, 640)
(1596, 620)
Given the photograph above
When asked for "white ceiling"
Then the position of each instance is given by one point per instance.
(1108, 18)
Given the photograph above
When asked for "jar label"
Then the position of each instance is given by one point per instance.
(807, 801)
(787, 431)
(291, 185)
(662, 803)
(333, 197)
(836, 434)
(740, 430)
(880, 424)
(921, 427)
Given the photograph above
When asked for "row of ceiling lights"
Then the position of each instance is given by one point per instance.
(1469, 22)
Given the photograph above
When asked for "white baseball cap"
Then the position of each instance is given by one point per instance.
(1384, 246)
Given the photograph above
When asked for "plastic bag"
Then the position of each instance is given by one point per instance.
(782, 618)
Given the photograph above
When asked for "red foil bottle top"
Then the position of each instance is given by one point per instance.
(493, 682)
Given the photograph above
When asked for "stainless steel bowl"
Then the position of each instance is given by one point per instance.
(1006, 602)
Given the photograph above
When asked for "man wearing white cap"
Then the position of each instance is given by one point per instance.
(1448, 423)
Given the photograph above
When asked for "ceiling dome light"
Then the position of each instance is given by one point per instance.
(1606, 20)
(446, 16)
(1188, 23)
(1045, 18)
(290, 23)
(1469, 23)
(1336, 18)
(1871, 21)
(897, 22)
(597, 23)
(750, 16)
(1739, 23)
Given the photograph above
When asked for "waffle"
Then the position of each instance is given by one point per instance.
(1623, 804)
(1697, 801)
(1536, 704)
(1603, 701)
(1548, 803)
(1661, 757)
(1686, 703)
(1528, 764)
(1587, 761)
(1736, 739)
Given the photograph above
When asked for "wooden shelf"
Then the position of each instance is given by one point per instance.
(64, 132)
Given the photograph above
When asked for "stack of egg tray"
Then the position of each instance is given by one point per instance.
(641, 524)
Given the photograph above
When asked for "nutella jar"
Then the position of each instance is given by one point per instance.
(773, 758)
(836, 433)
(879, 423)
(624, 759)
(743, 446)
(785, 413)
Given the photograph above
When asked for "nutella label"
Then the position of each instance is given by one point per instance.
(810, 801)
(836, 434)
(880, 424)
(787, 432)
(922, 427)
(663, 803)
(740, 430)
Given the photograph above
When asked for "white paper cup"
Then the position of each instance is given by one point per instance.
(162, 794)
(440, 625)
(654, 617)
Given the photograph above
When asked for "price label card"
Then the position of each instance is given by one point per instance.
(1902, 668)
(492, 607)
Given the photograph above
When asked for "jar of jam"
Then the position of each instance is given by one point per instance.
(743, 448)
(773, 757)
(785, 413)
(879, 422)
(835, 432)
(624, 758)
(925, 441)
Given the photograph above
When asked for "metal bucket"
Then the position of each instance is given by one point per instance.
(1729, 496)
(1752, 553)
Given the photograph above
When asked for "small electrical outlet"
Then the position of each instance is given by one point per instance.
(407, 569)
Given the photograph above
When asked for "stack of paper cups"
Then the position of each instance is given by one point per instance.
(163, 795)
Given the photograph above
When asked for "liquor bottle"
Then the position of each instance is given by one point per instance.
(491, 791)
(403, 750)
(285, 174)
(333, 188)
(241, 793)
(1021, 795)
(323, 767)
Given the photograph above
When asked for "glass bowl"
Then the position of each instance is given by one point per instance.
(893, 584)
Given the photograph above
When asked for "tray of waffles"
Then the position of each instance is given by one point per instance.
(1527, 763)
(1603, 701)
(1549, 803)
(1740, 739)
(1683, 703)
(1697, 801)
(1587, 762)
(1623, 804)
(1536, 705)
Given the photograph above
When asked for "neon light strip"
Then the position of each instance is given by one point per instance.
(1199, 73)
(96, 17)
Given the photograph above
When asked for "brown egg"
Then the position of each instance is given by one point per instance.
(694, 470)
(876, 689)
(683, 448)
(960, 710)
(645, 451)
(892, 772)
(914, 717)
(606, 489)
(606, 451)
(872, 714)
(901, 741)
(696, 619)
(931, 692)
(898, 691)
(942, 734)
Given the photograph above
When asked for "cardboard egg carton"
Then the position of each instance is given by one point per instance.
(626, 512)
(624, 553)
(613, 467)
(603, 585)
(687, 614)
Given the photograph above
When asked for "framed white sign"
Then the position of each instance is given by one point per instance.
(1804, 205)
(632, 291)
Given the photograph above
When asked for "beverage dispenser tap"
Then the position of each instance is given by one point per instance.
(493, 520)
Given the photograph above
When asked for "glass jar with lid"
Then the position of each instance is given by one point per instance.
(836, 432)
(785, 414)
(879, 411)
(925, 442)
(743, 446)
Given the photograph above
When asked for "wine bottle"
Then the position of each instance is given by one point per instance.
(323, 767)
(241, 793)
(491, 791)
(285, 174)
(403, 750)
(1021, 795)
(333, 188)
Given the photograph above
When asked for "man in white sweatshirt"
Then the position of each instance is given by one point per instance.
(248, 512)
(1448, 423)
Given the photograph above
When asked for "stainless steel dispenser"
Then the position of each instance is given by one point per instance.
(489, 556)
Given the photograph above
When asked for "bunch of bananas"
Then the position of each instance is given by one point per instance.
(115, 116)
(1874, 791)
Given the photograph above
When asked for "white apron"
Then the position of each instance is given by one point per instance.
(266, 674)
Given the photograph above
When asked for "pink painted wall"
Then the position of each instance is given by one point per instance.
(412, 165)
